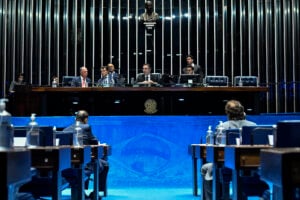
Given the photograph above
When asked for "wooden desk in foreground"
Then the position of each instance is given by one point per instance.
(101, 151)
(197, 151)
(50, 160)
(15, 171)
(281, 166)
(62, 101)
(239, 158)
(215, 155)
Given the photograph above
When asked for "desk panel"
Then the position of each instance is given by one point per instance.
(47, 101)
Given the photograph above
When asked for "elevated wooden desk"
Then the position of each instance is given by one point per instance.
(239, 158)
(197, 151)
(62, 101)
(15, 171)
(281, 166)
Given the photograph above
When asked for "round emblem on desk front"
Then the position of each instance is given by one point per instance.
(150, 106)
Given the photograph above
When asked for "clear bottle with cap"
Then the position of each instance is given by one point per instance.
(54, 83)
(54, 136)
(33, 132)
(210, 136)
(132, 81)
(6, 128)
(220, 135)
(77, 137)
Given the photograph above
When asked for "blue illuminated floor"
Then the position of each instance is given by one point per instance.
(148, 194)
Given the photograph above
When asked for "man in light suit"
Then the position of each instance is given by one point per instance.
(82, 80)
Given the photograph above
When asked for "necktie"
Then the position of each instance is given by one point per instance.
(83, 83)
(147, 78)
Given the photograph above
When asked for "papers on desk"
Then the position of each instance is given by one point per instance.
(19, 141)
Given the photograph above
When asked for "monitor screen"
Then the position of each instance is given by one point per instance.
(193, 78)
(67, 81)
(256, 134)
(46, 134)
(287, 134)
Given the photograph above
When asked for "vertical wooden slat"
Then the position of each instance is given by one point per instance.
(75, 31)
(293, 9)
(4, 45)
(93, 23)
(198, 20)
(224, 15)
(206, 33)
(171, 35)
(215, 15)
(241, 13)
(232, 38)
(277, 37)
(258, 35)
(101, 31)
(163, 36)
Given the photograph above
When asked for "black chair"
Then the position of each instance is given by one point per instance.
(287, 134)
(251, 183)
(216, 80)
(245, 81)
(259, 135)
(67, 81)
(231, 135)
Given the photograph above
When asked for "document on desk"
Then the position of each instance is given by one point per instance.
(19, 141)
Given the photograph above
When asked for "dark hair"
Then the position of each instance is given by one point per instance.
(234, 110)
(20, 74)
(189, 56)
(190, 66)
(104, 67)
(147, 65)
(81, 115)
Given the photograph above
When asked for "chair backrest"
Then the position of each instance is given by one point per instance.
(246, 80)
(287, 134)
(216, 80)
(46, 134)
(259, 135)
(67, 80)
(65, 137)
(231, 135)
(247, 138)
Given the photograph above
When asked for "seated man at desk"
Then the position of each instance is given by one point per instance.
(114, 74)
(88, 139)
(106, 80)
(236, 119)
(188, 70)
(19, 81)
(147, 78)
(83, 80)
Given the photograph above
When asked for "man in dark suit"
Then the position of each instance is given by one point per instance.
(88, 139)
(112, 72)
(147, 78)
(82, 80)
(190, 62)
